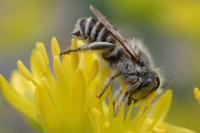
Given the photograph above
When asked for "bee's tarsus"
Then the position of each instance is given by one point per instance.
(68, 51)
(64, 52)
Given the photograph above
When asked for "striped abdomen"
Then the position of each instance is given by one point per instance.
(90, 28)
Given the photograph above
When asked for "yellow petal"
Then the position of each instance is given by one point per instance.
(78, 97)
(95, 116)
(74, 60)
(66, 67)
(48, 114)
(22, 86)
(94, 70)
(129, 113)
(57, 67)
(75, 43)
(55, 49)
(86, 62)
(197, 94)
(105, 109)
(140, 119)
(169, 128)
(74, 56)
(24, 71)
(17, 101)
(40, 63)
(37, 64)
(40, 47)
(161, 108)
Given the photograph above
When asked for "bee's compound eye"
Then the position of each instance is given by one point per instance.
(149, 83)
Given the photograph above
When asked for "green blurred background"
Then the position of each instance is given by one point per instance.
(169, 28)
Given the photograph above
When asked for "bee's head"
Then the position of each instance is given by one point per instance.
(146, 83)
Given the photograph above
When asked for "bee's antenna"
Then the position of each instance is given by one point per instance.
(169, 82)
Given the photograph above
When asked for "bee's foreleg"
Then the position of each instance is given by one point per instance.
(91, 46)
(108, 83)
(122, 96)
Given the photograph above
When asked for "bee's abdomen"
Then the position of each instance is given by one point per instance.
(90, 28)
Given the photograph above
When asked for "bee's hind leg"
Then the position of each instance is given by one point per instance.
(91, 46)
(108, 83)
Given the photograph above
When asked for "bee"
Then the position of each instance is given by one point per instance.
(128, 59)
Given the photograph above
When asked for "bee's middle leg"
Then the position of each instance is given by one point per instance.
(108, 83)
(122, 96)
(91, 46)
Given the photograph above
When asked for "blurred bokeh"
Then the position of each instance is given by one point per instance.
(169, 28)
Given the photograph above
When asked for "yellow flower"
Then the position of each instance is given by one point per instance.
(65, 100)
(197, 94)
(148, 119)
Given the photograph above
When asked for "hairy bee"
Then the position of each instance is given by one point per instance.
(128, 59)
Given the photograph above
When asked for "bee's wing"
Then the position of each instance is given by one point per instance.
(116, 33)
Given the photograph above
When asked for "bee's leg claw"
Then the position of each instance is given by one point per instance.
(135, 101)
(106, 86)
(100, 95)
(130, 100)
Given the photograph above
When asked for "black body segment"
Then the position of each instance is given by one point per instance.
(93, 30)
